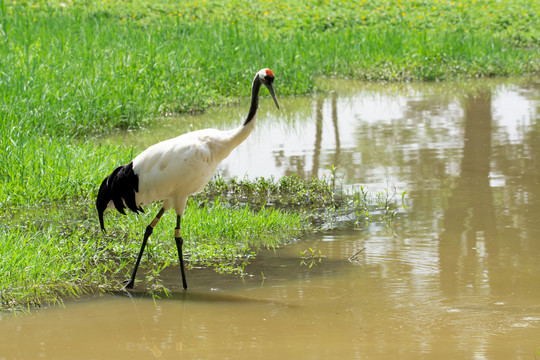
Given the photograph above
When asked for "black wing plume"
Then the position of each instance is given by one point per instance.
(120, 188)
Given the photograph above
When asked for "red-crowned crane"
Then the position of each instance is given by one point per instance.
(173, 169)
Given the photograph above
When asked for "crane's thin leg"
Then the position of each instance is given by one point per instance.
(147, 233)
(179, 242)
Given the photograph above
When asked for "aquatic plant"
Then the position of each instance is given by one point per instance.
(310, 257)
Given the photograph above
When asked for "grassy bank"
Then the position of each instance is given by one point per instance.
(84, 67)
(55, 251)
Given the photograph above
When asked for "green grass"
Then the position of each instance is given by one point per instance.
(50, 252)
(40, 265)
(42, 169)
(92, 66)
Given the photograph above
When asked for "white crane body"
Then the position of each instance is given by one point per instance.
(171, 170)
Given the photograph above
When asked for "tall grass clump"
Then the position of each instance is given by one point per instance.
(326, 202)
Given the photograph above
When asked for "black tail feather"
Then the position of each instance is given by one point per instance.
(119, 187)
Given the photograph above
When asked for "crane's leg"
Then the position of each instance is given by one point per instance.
(147, 233)
(179, 242)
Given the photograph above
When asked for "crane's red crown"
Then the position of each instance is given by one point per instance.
(269, 72)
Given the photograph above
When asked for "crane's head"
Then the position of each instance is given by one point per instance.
(267, 78)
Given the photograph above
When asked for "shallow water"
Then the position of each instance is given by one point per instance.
(456, 277)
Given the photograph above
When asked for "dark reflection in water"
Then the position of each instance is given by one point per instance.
(469, 219)
(457, 277)
(318, 136)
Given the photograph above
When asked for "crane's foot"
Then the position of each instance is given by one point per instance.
(128, 284)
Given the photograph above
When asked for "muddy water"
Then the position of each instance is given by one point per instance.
(457, 277)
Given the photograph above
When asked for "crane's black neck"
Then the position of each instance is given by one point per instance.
(254, 99)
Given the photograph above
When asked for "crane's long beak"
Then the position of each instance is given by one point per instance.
(271, 90)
